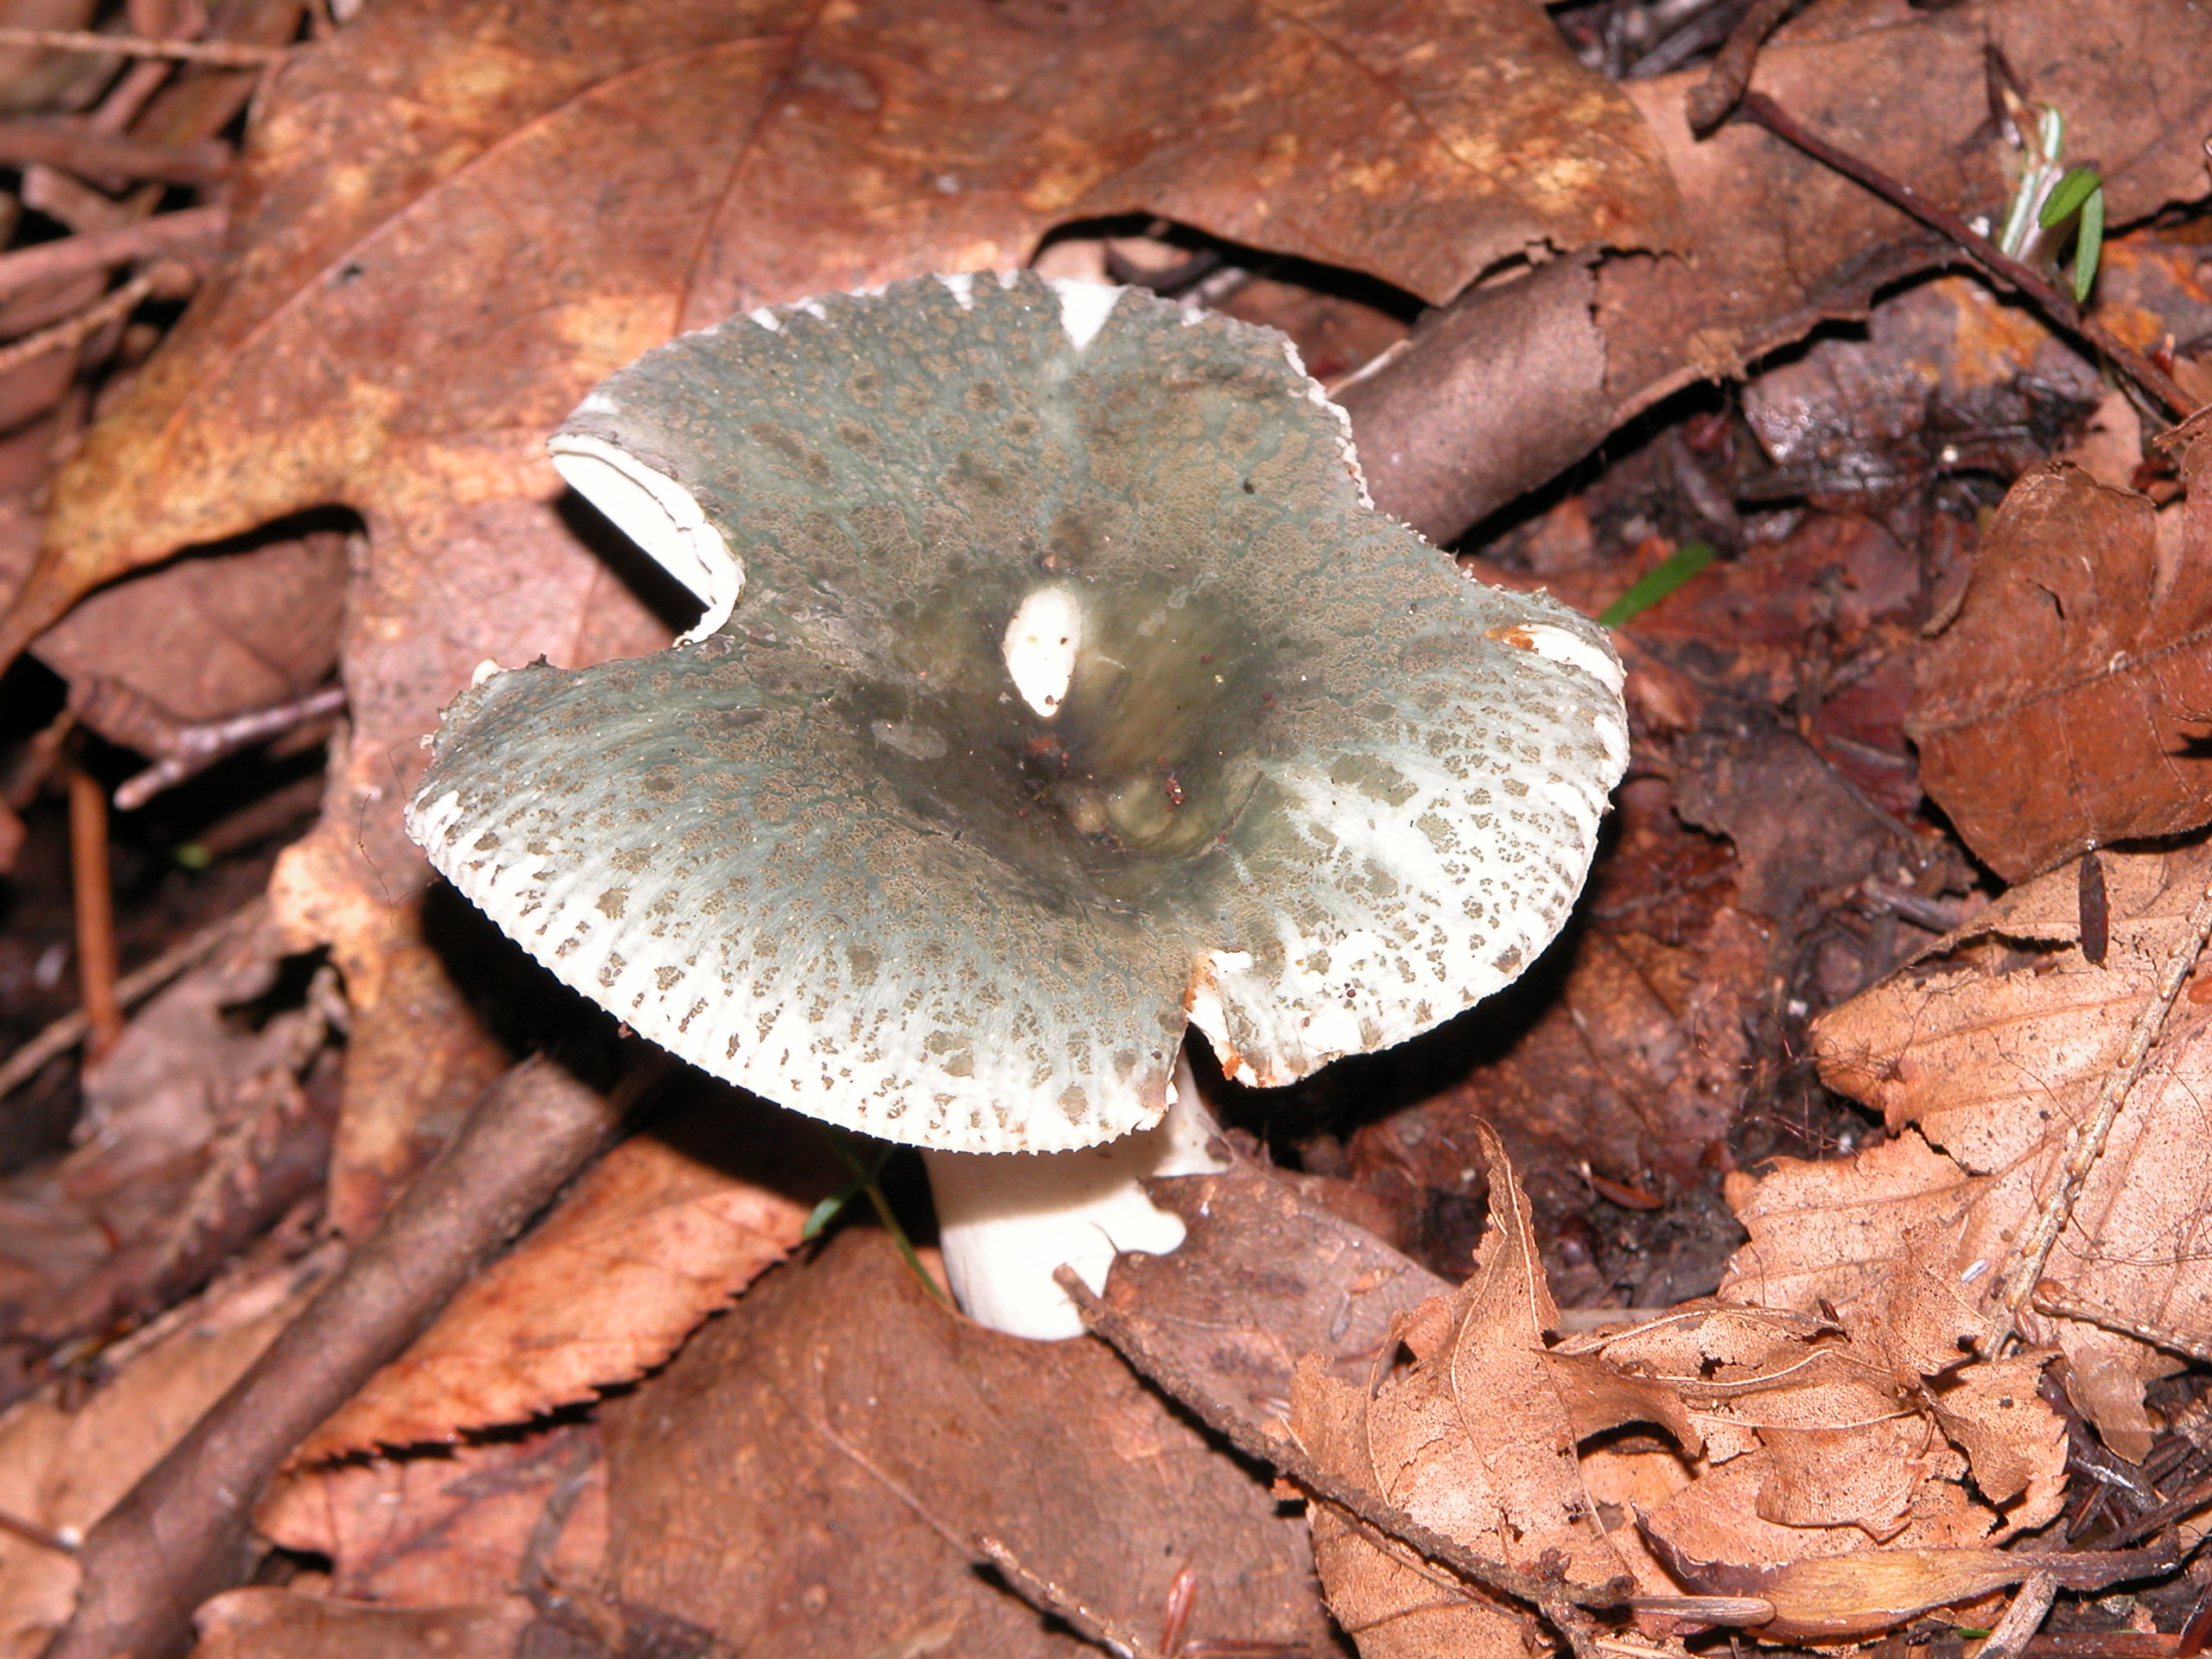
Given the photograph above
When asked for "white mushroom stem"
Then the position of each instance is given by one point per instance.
(1006, 1221)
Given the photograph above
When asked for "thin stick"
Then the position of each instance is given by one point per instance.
(131, 989)
(2086, 1143)
(1713, 98)
(2031, 1606)
(2049, 299)
(177, 1537)
(228, 55)
(80, 150)
(74, 256)
(1049, 1598)
(2052, 1299)
(94, 899)
(1288, 1456)
(166, 278)
(192, 748)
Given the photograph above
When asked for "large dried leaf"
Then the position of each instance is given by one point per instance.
(1478, 1441)
(646, 1245)
(807, 1475)
(1980, 1062)
(631, 172)
(2067, 705)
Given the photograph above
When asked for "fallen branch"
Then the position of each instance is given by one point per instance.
(2055, 305)
(179, 1535)
(166, 278)
(223, 54)
(80, 150)
(131, 989)
(92, 895)
(193, 230)
(184, 750)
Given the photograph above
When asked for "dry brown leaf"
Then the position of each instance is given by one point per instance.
(267, 1624)
(1264, 1276)
(1862, 1593)
(807, 1476)
(631, 173)
(1982, 1059)
(61, 1469)
(451, 1528)
(649, 1243)
(204, 639)
(1478, 1441)
(2067, 705)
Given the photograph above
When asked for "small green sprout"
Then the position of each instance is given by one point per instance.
(866, 1178)
(1657, 582)
(2080, 192)
(2048, 196)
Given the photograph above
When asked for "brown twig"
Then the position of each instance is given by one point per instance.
(186, 750)
(225, 54)
(2031, 1606)
(1287, 1455)
(131, 989)
(166, 278)
(181, 233)
(2055, 305)
(94, 895)
(2052, 1299)
(80, 150)
(177, 1537)
(2086, 1143)
(1712, 99)
(1063, 1604)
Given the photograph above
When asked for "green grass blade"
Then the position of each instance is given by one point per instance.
(1657, 582)
(2078, 184)
(2089, 244)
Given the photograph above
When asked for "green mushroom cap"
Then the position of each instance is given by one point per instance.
(1075, 692)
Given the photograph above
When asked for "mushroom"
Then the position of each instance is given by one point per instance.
(1078, 693)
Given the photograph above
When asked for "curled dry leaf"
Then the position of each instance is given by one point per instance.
(2068, 703)
(1477, 1441)
(1980, 1059)
(651, 1241)
(461, 1526)
(1793, 1443)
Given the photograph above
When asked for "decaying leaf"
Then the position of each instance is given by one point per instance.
(651, 1241)
(1793, 1443)
(269, 1624)
(2067, 705)
(1980, 1059)
(1478, 1441)
(62, 1468)
(457, 1527)
(808, 1476)
(1264, 1277)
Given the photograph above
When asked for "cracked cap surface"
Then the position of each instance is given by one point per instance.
(1296, 780)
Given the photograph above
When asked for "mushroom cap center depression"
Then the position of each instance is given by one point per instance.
(1092, 735)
